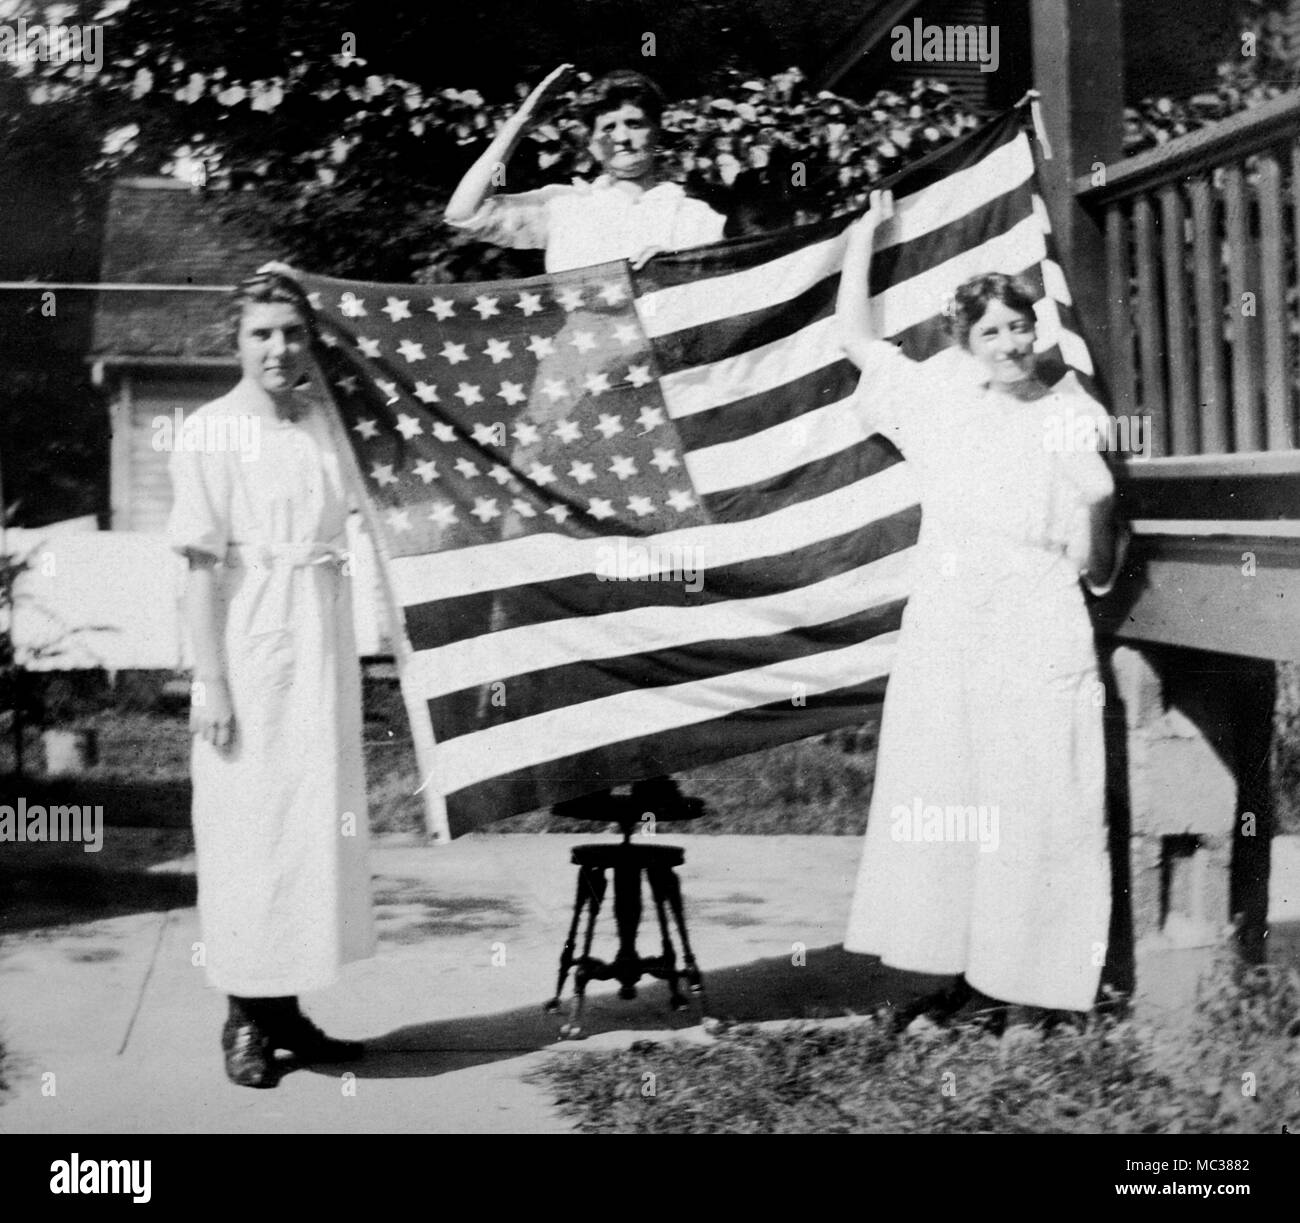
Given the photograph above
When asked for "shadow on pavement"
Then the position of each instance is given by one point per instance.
(831, 983)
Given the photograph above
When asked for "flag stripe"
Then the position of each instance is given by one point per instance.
(665, 751)
(576, 598)
(792, 399)
(788, 488)
(517, 650)
(474, 758)
(536, 692)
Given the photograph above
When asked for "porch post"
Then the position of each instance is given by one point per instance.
(1078, 50)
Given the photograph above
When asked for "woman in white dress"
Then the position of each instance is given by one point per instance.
(985, 854)
(279, 788)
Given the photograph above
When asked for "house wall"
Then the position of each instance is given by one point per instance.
(142, 494)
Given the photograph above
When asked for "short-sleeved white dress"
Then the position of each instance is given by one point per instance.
(280, 820)
(985, 849)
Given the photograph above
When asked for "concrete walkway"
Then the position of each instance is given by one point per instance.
(111, 1028)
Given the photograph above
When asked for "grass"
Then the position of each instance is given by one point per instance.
(1232, 1069)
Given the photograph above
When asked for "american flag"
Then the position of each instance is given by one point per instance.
(629, 520)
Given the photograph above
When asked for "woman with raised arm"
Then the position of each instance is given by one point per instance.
(985, 855)
(279, 788)
(628, 212)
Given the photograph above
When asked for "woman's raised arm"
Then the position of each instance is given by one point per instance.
(480, 179)
(852, 307)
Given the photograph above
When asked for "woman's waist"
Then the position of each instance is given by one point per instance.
(286, 554)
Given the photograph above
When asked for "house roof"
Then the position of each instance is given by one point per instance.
(160, 231)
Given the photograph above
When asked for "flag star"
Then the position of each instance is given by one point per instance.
(398, 309)
(599, 508)
(650, 418)
(596, 383)
(558, 512)
(529, 303)
(664, 459)
(512, 393)
(426, 392)
(444, 432)
(455, 353)
(382, 474)
(442, 308)
(466, 468)
(408, 426)
(524, 433)
(352, 306)
(369, 347)
(469, 394)
(571, 298)
(314, 299)
(486, 306)
(609, 425)
(329, 339)
(347, 384)
(427, 470)
(541, 346)
(502, 475)
(498, 350)
(367, 428)
(487, 435)
(399, 520)
(623, 466)
(522, 508)
(612, 293)
(639, 375)
(680, 500)
(583, 473)
(583, 341)
(411, 351)
(567, 431)
(641, 506)
(626, 333)
(389, 389)
(485, 509)
(443, 513)
(554, 389)
(540, 474)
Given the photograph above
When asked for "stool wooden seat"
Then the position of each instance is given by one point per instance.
(629, 863)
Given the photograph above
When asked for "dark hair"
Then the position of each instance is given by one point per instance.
(971, 300)
(265, 289)
(617, 89)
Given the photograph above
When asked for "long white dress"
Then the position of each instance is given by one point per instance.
(280, 820)
(985, 849)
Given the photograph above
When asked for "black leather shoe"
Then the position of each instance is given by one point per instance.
(298, 1035)
(938, 1007)
(248, 1056)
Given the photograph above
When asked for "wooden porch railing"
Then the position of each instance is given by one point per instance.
(1203, 283)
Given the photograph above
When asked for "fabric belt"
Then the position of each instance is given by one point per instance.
(272, 600)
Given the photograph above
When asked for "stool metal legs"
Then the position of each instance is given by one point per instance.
(627, 967)
(591, 894)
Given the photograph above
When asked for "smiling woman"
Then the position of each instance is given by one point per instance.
(279, 791)
(994, 698)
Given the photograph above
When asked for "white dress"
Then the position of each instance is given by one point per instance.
(280, 820)
(581, 224)
(985, 849)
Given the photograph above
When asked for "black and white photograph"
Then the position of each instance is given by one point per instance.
(583, 567)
